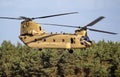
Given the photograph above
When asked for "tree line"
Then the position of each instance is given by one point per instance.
(100, 60)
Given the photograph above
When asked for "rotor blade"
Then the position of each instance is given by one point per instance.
(95, 21)
(54, 15)
(78, 27)
(59, 25)
(10, 18)
(101, 31)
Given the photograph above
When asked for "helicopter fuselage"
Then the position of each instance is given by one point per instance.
(66, 41)
(33, 36)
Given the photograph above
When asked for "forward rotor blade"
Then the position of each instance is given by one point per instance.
(101, 31)
(10, 18)
(54, 15)
(59, 25)
(95, 21)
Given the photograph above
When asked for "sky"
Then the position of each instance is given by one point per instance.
(88, 11)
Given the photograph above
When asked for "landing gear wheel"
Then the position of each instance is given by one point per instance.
(70, 51)
(40, 49)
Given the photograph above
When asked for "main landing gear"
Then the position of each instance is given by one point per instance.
(70, 50)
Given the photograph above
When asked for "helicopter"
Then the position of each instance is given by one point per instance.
(32, 35)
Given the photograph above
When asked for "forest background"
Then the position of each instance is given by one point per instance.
(100, 60)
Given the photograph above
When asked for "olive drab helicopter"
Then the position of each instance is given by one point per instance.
(32, 35)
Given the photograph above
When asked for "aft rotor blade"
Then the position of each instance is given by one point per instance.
(79, 27)
(59, 25)
(10, 18)
(95, 21)
(54, 15)
(101, 31)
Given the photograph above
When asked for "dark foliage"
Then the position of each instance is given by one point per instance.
(101, 60)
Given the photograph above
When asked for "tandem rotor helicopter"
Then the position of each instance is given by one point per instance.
(32, 35)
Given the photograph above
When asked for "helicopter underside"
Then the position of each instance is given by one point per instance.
(64, 41)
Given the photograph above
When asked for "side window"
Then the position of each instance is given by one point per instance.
(53, 40)
(63, 40)
(44, 40)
